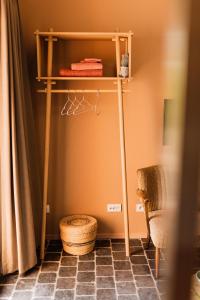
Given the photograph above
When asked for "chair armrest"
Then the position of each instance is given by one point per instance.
(143, 198)
(142, 195)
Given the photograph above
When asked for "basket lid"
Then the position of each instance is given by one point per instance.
(77, 220)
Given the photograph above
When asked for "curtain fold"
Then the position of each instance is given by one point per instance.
(19, 185)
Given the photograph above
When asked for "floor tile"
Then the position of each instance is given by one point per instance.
(126, 288)
(162, 286)
(113, 241)
(120, 255)
(106, 294)
(9, 279)
(67, 271)
(150, 254)
(162, 275)
(25, 284)
(44, 290)
(118, 247)
(138, 260)
(85, 298)
(42, 298)
(104, 270)
(135, 242)
(49, 266)
(128, 297)
(123, 276)
(6, 290)
(86, 276)
(54, 248)
(65, 283)
(136, 251)
(105, 282)
(122, 265)
(103, 251)
(104, 274)
(55, 242)
(141, 269)
(19, 295)
(64, 295)
(102, 243)
(144, 281)
(162, 264)
(149, 247)
(69, 261)
(32, 273)
(52, 256)
(148, 293)
(104, 260)
(86, 266)
(86, 257)
(144, 240)
(66, 254)
(85, 289)
(151, 263)
(47, 277)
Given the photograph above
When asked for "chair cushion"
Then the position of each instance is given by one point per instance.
(158, 232)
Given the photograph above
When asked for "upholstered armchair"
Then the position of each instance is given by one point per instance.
(152, 193)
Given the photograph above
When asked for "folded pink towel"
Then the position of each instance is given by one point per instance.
(80, 73)
(87, 66)
(91, 60)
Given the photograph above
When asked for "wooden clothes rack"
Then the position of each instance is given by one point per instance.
(117, 38)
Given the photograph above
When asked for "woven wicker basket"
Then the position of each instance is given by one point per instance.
(78, 234)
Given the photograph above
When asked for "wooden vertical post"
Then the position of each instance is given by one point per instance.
(129, 53)
(126, 45)
(117, 48)
(47, 142)
(38, 47)
(122, 149)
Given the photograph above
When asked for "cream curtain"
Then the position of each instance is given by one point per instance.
(19, 187)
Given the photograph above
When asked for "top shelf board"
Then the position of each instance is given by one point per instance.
(84, 35)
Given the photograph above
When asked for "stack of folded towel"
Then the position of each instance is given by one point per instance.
(88, 67)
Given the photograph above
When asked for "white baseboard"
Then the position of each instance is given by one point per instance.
(104, 236)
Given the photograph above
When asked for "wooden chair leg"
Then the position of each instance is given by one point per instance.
(148, 232)
(157, 260)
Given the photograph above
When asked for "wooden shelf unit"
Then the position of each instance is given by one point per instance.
(49, 79)
(101, 36)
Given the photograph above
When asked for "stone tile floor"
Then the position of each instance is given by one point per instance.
(104, 274)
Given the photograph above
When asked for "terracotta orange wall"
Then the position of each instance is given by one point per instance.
(85, 152)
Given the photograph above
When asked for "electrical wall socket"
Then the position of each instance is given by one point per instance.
(48, 209)
(139, 207)
(114, 207)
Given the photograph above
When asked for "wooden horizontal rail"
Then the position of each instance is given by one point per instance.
(80, 91)
(85, 35)
(82, 78)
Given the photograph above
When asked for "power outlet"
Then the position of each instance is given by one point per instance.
(48, 209)
(139, 207)
(114, 207)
